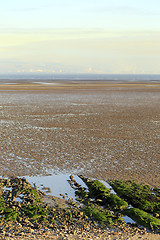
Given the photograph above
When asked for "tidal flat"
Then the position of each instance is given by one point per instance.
(101, 129)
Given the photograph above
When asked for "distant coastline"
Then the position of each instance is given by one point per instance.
(81, 77)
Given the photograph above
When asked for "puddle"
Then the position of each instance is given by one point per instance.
(7, 188)
(55, 184)
(18, 199)
(130, 206)
(128, 220)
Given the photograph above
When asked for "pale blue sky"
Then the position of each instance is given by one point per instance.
(118, 36)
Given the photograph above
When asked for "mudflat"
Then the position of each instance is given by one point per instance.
(99, 129)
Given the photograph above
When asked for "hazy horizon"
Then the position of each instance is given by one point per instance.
(77, 76)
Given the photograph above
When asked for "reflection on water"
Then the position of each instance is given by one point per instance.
(58, 184)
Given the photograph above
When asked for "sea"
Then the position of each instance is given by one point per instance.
(79, 77)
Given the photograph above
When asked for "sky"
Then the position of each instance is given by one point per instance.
(80, 36)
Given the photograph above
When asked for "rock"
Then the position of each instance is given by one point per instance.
(31, 230)
(22, 234)
(98, 200)
(13, 198)
(2, 232)
(8, 234)
(156, 215)
(71, 177)
(14, 208)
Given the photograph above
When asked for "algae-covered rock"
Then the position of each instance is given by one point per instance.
(140, 196)
(143, 218)
(102, 216)
(99, 191)
(115, 202)
(96, 187)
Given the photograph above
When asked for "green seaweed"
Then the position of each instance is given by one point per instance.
(143, 218)
(11, 216)
(34, 211)
(102, 216)
(140, 196)
(33, 193)
(100, 192)
(81, 193)
(115, 202)
(96, 187)
(2, 205)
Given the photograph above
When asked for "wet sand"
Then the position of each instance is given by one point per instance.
(99, 129)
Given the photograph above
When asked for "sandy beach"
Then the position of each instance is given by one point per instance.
(102, 129)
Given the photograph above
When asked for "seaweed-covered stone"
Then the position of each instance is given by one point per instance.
(143, 218)
(99, 191)
(140, 196)
(102, 216)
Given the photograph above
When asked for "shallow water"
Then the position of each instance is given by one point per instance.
(128, 219)
(58, 184)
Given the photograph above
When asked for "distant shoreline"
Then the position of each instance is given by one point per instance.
(80, 77)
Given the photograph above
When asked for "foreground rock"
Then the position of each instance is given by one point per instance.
(25, 215)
